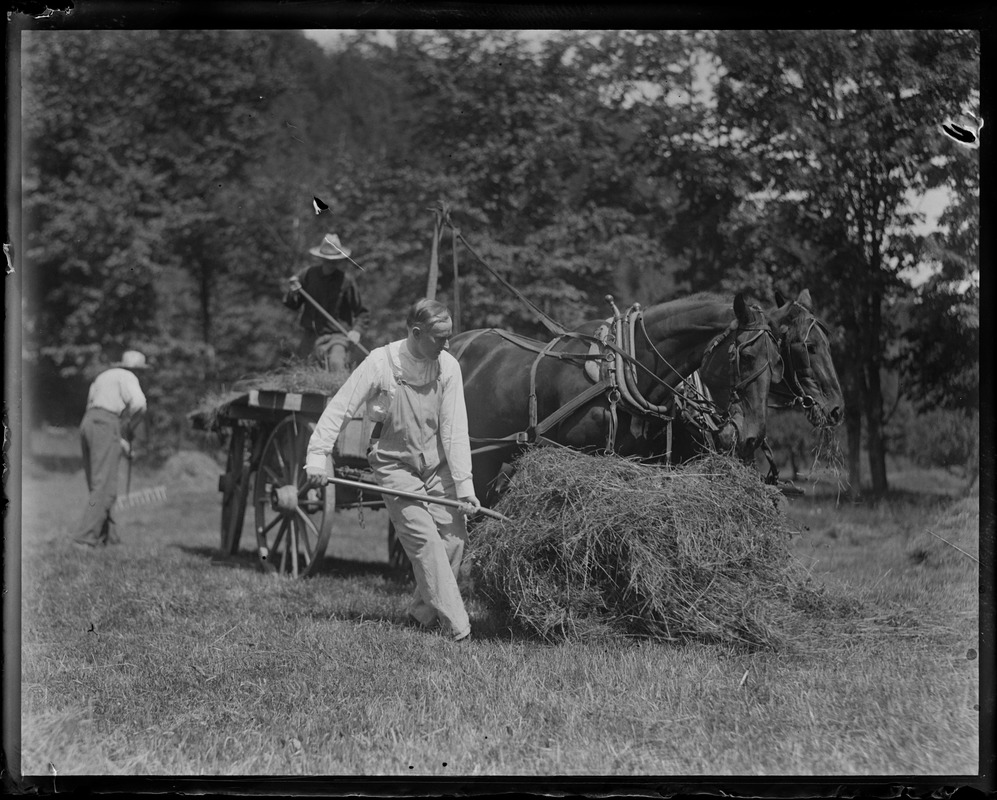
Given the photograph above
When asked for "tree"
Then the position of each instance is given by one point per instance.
(839, 129)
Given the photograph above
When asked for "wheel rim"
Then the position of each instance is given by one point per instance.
(292, 522)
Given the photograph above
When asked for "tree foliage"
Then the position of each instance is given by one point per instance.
(839, 129)
(169, 179)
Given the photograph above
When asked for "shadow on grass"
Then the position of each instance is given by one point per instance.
(486, 624)
(329, 566)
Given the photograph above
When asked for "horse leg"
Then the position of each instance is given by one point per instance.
(492, 472)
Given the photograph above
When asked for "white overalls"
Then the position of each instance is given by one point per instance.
(422, 447)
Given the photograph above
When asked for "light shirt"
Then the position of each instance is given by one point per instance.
(427, 421)
(116, 390)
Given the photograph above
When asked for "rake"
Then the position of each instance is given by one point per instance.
(143, 497)
(156, 494)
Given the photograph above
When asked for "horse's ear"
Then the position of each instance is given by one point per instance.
(805, 301)
(741, 309)
(780, 301)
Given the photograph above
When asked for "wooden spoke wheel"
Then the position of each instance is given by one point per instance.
(234, 486)
(397, 557)
(292, 522)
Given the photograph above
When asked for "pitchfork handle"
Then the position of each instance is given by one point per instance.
(331, 319)
(443, 501)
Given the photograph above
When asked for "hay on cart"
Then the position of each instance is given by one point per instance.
(602, 546)
(293, 377)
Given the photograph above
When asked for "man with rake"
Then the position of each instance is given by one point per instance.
(414, 394)
(115, 400)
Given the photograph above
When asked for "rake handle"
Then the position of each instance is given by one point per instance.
(443, 501)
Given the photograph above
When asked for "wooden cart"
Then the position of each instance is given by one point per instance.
(268, 434)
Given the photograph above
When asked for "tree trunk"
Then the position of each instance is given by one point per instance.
(873, 387)
(853, 428)
(853, 431)
(874, 426)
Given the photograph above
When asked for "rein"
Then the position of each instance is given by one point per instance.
(800, 397)
(619, 382)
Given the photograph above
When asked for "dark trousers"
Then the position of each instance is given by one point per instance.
(100, 436)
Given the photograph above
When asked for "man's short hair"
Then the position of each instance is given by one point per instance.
(426, 313)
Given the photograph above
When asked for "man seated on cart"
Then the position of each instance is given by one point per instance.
(413, 392)
(333, 311)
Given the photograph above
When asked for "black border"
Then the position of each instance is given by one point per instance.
(291, 14)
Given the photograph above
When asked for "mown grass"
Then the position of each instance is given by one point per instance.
(159, 657)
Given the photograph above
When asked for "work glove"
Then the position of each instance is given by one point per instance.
(316, 479)
(469, 505)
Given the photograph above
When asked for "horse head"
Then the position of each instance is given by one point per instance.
(743, 378)
(810, 380)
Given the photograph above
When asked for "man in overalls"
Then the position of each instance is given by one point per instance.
(413, 392)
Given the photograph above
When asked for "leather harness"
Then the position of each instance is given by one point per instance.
(615, 353)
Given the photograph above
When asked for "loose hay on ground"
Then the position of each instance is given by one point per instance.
(950, 537)
(605, 546)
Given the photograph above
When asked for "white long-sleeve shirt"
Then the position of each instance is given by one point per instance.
(116, 390)
(427, 420)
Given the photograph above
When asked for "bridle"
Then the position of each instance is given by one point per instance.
(739, 382)
(800, 396)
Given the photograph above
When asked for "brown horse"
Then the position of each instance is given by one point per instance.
(809, 383)
(520, 390)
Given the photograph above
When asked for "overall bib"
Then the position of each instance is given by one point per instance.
(408, 455)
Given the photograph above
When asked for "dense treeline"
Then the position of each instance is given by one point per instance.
(168, 181)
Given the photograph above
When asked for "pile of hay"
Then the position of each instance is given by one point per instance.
(950, 537)
(191, 470)
(295, 376)
(604, 546)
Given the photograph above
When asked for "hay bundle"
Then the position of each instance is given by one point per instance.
(303, 378)
(295, 377)
(605, 546)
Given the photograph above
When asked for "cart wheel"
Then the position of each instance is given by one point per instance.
(292, 523)
(234, 485)
(397, 557)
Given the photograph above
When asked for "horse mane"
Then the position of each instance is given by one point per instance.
(693, 311)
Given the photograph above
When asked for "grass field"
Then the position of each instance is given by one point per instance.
(160, 657)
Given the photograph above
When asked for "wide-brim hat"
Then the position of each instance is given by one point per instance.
(331, 248)
(132, 359)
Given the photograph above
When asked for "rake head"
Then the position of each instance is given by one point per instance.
(156, 494)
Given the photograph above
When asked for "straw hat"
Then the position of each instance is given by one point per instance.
(330, 248)
(132, 359)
